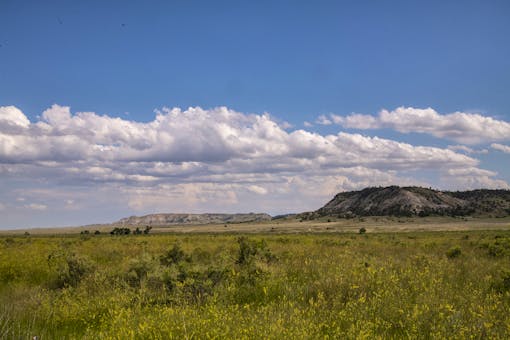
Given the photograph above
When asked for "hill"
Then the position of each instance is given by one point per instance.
(415, 201)
(175, 219)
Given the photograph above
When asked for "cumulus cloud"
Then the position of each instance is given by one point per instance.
(467, 128)
(467, 149)
(12, 117)
(501, 147)
(180, 142)
(323, 120)
(198, 160)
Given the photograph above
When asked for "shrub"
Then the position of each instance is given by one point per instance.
(362, 230)
(139, 269)
(172, 256)
(502, 284)
(453, 252)
(120, 231)
(70, 269)
(249, 250)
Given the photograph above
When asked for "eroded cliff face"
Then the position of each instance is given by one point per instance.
(409, 201)
(172, 219)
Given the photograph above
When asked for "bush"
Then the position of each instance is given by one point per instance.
(453, 252)
(362, 231)
(70, 269)
(502, 284)
(249, 250)
(140, 268)
(173, 256)
(120, 231)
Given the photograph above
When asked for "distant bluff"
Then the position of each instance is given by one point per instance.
(415, 201)
(174, 219)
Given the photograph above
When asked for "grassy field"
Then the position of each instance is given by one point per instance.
(326, 283)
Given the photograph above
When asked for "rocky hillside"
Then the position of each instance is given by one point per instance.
(415, 201)
(174, 219)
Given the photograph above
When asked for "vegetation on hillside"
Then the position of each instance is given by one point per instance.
(415, 201)
(407, 285)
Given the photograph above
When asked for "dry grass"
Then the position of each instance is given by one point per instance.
(325, 225)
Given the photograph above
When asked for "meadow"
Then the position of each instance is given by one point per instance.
(420, 285)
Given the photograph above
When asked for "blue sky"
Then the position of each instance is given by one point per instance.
(280, 104)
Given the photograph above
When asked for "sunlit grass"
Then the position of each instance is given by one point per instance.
(397, 285)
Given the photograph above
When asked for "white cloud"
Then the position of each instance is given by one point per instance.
(307, 124)
(286, 125)
(323, 120)
(35, 206)
(467, 128)
(257, 189)
(467, 149)
(198, 160)
(501, 147)
(12, 117)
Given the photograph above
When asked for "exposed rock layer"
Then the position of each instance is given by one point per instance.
(410, 201)
(174, 219)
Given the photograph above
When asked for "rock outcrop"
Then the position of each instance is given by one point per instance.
(416, 201)
(179, 219)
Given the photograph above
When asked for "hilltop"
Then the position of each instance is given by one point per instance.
(415, 201)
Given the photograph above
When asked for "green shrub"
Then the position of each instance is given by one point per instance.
(139, 269)
(173, 256)
(453, 252)
(69, 268)
(502, 284)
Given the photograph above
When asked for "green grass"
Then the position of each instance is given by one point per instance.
(292, 286)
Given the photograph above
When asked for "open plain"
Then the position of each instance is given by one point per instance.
(377, 277)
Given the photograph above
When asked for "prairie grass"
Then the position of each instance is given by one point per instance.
(282, 286)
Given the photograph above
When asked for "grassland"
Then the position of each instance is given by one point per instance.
(270, 282)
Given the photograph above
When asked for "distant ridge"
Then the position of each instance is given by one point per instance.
(415, 201)
(179, 219)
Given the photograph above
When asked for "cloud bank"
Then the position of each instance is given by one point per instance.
(467, 128)
(501, 147)
(199, 160)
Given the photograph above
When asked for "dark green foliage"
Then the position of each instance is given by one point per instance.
(69, 269)
(249, 250)
(120, 231)
(502, 283)
(140, 268)
(453, 252)
(147, 229)
(499, 247)
(362, 231)
(172, 256)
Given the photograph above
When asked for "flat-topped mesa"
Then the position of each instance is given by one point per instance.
(416, 201)
(174, 219)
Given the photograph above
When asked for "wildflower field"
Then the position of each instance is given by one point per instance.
(282, 286)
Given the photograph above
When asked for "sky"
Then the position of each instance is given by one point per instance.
(117, 108)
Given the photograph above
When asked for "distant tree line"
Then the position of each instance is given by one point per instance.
(127, 231)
